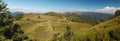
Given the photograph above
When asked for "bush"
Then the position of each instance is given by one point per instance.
(68, 34)
(115, 35)
(28, 19)
(117, 13)
(20, 37)
(16, 29)
(2, 38)
(7, 32)
(39, 17)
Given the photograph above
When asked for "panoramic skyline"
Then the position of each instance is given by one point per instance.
(107, 6)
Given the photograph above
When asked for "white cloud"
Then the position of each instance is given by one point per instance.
(107, 9)
(23, 10)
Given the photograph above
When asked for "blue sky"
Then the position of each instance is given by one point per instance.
(56, 5)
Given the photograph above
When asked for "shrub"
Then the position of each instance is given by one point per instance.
(20, 37)
(16, 29)
(68, 34)
(39, 17)
(117, 13)
(28, 19)
(115, 35)
(2, 38)
(7, 32)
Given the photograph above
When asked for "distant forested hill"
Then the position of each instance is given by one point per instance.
(89, 15)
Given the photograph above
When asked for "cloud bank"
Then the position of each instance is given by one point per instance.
(23, 10)
(108, 9)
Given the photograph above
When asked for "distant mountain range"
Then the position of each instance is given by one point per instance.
(89, 15)
(15, 13)
(82, 15)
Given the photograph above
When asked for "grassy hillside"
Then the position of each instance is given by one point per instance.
(41, 27)
(106, 31)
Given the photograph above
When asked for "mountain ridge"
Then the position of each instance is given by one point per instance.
(89, 15)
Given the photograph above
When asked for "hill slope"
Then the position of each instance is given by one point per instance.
(41, 27)
(106, 31)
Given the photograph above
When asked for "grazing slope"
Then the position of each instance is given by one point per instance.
(106, 31)
(41, 27)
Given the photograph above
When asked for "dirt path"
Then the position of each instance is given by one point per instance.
(48, 25)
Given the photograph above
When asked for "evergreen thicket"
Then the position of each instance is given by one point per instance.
(9, 30)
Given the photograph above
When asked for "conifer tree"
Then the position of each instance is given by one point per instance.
(8, 29)
(2, 6)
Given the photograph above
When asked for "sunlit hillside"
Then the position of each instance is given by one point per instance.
(59, 20)
(42, 27)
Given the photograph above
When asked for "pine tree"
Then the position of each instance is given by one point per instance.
(2, 6)
(8, 29)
